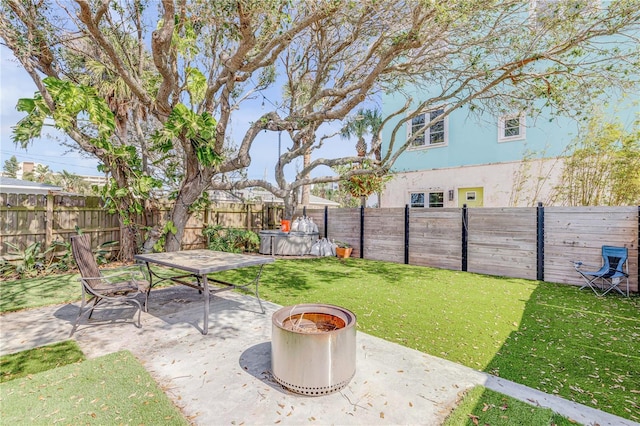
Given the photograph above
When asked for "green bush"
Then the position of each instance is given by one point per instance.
(232, 240)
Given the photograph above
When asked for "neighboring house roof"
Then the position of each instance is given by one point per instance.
(17, 186)
(265, 196)
(319, 201)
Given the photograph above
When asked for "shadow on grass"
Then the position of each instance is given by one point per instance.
(578, 346)
(41, 291)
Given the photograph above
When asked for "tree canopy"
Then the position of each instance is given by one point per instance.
(133, 81)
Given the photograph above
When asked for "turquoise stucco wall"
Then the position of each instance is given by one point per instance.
(473, 139)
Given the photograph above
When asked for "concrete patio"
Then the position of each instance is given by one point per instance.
(224, 377)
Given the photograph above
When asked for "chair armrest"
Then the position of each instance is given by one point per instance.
(132, 270)
(579, 264)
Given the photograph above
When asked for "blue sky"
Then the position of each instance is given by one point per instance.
(15, 83)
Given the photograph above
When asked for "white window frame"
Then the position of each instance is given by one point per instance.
(471, 195)
(502, 126)
(426, 199)
(427, 131)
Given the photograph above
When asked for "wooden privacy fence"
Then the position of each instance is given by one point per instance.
(532, 243)
(27, 219)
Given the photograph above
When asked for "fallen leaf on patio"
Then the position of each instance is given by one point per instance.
(381, 415)
(410, 404)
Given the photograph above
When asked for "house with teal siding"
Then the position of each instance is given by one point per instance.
(482, 157)
(486, 160)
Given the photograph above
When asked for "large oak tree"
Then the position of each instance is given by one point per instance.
(188, 68)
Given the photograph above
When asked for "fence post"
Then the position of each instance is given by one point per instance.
(48, 221)
(361, 232)
(304, 211)
(326, 221)
(406, 234)
(540, 242)
(465, 236)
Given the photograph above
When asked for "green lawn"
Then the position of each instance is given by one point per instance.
(551, 337)
(113, 389)
(482, 406)
(36, 360)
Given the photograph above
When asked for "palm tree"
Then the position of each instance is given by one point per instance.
(71, 182)
(365, 122)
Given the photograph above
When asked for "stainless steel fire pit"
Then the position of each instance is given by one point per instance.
(313, 348)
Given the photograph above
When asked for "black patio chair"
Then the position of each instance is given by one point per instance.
(121, 285)
(610, 275)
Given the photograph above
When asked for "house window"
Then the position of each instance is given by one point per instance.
(436, 199)
(471, 195)
(434, 135)
(417, 199)
(511, 128)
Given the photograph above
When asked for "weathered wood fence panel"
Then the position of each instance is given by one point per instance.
(578, 233)
(344, 225)
(502, 241)
(384, 234)
(434, 238)
(27, 219)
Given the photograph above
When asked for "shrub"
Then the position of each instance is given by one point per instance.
(232, 240)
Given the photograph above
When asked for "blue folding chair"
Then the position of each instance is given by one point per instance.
(610, 275)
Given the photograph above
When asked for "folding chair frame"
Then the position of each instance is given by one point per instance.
(610, 275)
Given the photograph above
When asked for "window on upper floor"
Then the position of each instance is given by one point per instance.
(511, 128)
(435, 199)
(436, 134)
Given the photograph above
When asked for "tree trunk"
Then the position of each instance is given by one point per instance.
(180, 214)
(306, 190)
(128, 240)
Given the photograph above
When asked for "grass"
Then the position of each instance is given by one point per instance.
(43, 358)
(551, 337)
(482, 406)
(36, 292)
(113, 389)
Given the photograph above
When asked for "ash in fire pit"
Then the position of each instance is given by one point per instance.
(313, 348)
(313, 323)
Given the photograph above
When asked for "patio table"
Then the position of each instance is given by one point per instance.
(199, 263)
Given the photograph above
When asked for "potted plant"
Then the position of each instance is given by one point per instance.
(343, 249)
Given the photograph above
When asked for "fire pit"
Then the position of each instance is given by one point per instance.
(313, 348)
